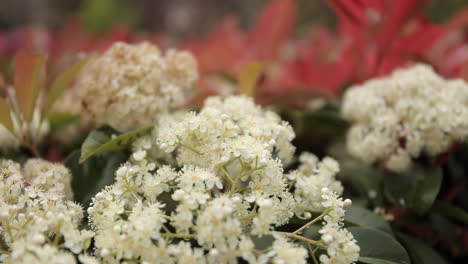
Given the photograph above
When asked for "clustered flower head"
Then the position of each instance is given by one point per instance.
(131, 84)
(37, 223)
(223, 187)
(399, 117)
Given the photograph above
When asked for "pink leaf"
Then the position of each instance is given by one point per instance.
(274, 27)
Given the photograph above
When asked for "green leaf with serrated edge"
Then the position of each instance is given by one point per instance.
(362, 217)
(28, 80)
(62, 82)
(419, 252)
(416, 188)
(60, 121)
(94, 174)
(5, 118)
(101, 141)
(378, 247)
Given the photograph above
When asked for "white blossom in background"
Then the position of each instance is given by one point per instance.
(131, 84)
(225, 188)
(37, 224)
(408, 113)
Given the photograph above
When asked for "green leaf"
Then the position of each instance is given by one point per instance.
(327, 121)
(101, 141)
(94, 174)
(416, 189)
(100, 16)
(29, 79)
(5, 118)
(451, 211)
(365, 178)
(362, 217)
(378, 247)
(420, 252)
(60, 121)
(445, 228)
(62, 82)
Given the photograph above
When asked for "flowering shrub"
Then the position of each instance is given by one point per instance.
(137, 154)
(220, 184)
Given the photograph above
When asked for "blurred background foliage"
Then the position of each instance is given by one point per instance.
(175, 17)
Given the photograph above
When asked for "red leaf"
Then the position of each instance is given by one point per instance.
(459, 21)
(29, 76)
(400, 11)
(223, 50)
(273, 28)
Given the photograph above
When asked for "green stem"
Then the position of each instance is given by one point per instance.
(190, 148)
(8, 229)
(234, 185)
(312, 254)
(166, 229)
(175, 235)
(313, 221)
(226, 174)
(305, 239)
(167, 217)
(252, 214)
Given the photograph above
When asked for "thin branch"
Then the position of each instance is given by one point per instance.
(313, 221)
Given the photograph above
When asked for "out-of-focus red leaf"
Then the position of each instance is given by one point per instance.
(398, 14)
(351, 12)
(224, 50)
(72, 39)
(28, 79)
(273, 28)
(3, 45)
(29, 40)
(449, 54)
(459, 21)
(421, 36)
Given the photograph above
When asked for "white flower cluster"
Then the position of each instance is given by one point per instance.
(342, 247)
(37, 225)
(309, 180)
(224, 131)
(226, 188)
(399, 117)
(49, 176)
(130, 84)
